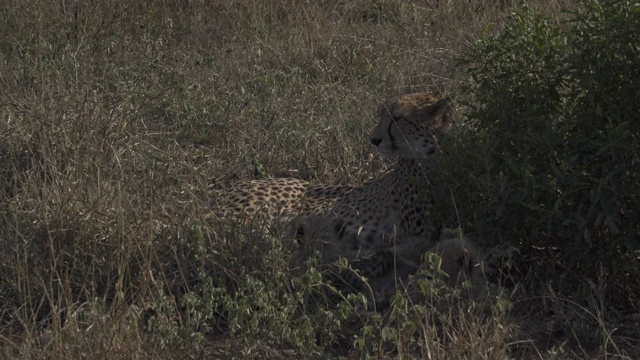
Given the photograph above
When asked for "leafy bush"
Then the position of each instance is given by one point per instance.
(551, 153)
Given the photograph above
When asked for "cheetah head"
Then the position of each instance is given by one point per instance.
(409, 125)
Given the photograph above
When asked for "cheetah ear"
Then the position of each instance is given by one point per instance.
(440, 112)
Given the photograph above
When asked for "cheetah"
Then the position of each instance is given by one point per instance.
(377, 212)
(381, 272)
(458, 264)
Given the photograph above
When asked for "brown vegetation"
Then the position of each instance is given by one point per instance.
(118, 119)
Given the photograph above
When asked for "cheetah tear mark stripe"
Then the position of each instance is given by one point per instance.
(391, 138)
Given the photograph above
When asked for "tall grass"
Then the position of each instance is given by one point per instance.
(119, 117)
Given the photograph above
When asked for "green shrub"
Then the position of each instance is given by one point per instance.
(551, 154)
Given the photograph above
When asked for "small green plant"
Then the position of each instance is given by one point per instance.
(428, 318)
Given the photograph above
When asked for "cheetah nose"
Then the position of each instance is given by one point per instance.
(376, 141)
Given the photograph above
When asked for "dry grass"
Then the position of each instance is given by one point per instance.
(118, 117)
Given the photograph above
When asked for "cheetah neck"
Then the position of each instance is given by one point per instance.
(413, 168)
